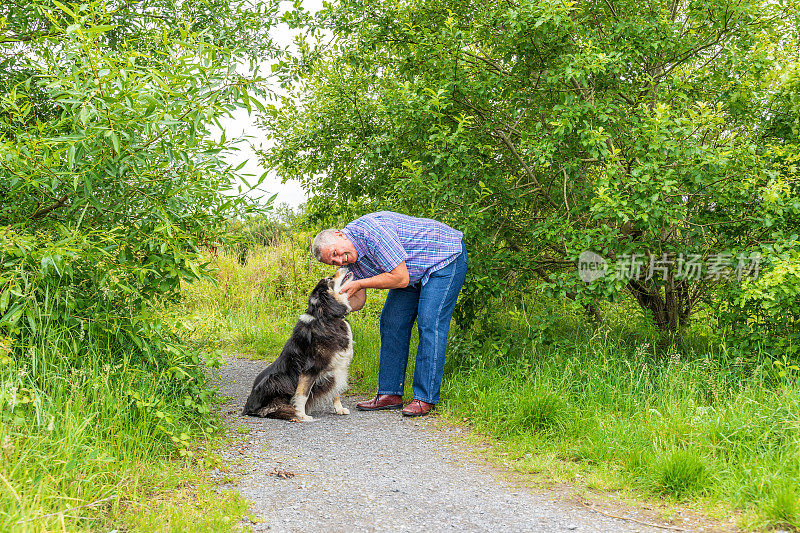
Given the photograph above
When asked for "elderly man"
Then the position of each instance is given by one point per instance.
(423, 263)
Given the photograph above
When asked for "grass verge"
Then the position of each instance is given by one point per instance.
(689, 423)
(93, 439)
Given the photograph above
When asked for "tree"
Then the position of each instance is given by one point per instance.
(109, 177)
(549, 128)
(765, 312)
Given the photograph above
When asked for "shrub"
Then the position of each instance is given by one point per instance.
(242, 236)
(109, 178)
(764, 313)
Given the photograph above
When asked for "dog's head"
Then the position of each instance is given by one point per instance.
(326, 300)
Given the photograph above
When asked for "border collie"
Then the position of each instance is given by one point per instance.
(312, 368)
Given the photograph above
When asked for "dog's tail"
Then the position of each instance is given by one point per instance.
(277, 408)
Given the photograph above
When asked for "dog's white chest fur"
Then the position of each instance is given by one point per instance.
(341, 362)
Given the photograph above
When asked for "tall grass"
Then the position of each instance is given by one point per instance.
(89, 434)
(688, 421)
(608, 404)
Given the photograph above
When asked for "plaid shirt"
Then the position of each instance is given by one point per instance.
(384, 239)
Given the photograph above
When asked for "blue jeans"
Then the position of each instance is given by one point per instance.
(432, 306)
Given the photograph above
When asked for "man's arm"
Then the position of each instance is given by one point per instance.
(358, 300)
(396, 279)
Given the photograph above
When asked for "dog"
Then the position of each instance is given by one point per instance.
(312, 367)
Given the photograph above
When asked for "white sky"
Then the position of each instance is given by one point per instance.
(240, 125)
(243, 125)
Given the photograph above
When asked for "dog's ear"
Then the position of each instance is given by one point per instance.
(315, 297)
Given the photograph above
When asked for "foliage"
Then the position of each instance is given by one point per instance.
(784, 509)
(110, 181)
(246, 235)
(243, 236)
(764, 312)
(681, 473)
(548, 128)
(694, 422)
(117, 183)
(99, 433)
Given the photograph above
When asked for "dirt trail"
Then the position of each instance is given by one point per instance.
(381, 472)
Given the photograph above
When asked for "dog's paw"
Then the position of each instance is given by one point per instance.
(343, 411)
(304, 418)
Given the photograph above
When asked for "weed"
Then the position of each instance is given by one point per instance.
(86, 423)
(783, 509)
(637, 461)
(184, 500)
(681, 473)
(539, 408)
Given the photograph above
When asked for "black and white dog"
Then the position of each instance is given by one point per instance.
(312, 368)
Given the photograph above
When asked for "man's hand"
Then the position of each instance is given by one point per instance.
(355, 294)
(358, 300)
(351, 288)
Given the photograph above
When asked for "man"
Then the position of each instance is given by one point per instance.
(423, 263)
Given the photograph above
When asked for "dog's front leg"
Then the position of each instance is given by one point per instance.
(337, 406)
(301, 397)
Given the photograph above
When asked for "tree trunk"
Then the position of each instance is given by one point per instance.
(593, 312)
(670, 304)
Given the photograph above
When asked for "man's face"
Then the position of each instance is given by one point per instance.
(340, 253)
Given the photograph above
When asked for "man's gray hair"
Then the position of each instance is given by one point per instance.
(324, 238)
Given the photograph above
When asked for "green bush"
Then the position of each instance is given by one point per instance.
(539, 408)
(112, 192)
(79, 415)
(109, 179)
(764, 313)
(242, 236)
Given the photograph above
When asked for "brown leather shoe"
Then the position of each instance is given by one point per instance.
(417, 408)
(381, 402)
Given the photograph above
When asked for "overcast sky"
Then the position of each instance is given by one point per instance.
(242, 124)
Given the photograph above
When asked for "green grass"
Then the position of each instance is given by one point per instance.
(184, 499)
(93, 439)
(609, 407)
(681, 473)
(689, 423)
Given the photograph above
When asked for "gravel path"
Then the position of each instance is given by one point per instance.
(379, 472)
